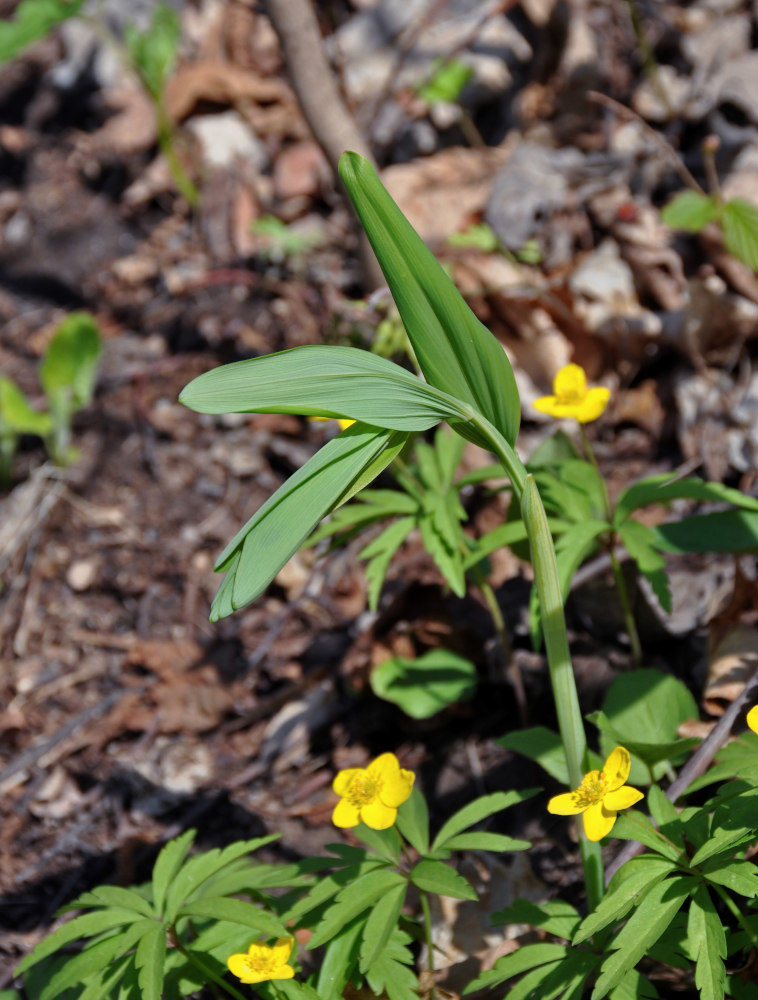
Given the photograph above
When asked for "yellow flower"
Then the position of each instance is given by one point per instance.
(263, 962)
(342, 421)
(572, 398)
(371, 795)
(752, 718)
(600, 796)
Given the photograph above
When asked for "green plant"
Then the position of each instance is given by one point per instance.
(33, 20)
(17, 417)
(737, 218)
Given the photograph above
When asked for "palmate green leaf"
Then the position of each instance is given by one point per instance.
(707, 944)
(529, 957)
(168, 863)
(339, 961)
(554, 917)
(476, 811)
(370, 506)
(113, 895)
(381, 923)
(722, 531)
(392, 971)
(325, 888)
(354, 899)
(640, 542)
(33, 19)
(571, 489)
(323, 381)
(565, 979)
(436, 876)
(424, 686)
(236, 910)
(281, 525)
(740, 222)
(110, 981)
(86, 925)
(690, 210)
(379, 553)
(94, 958)
(413, 821)
(444, 539)
(456, 353)
(735, 822)
(662, 489)
(627, 887)
(739, 876)
(148, 959)
(649, 920)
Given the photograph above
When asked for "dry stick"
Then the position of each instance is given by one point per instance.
(695, 766)
(325, 111)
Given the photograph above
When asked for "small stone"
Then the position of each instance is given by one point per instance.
(81, 574)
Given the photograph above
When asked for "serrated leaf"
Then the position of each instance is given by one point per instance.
(353, 900)
(392, 970)
(339, 961)
(565, 978)
(735, 759)
(634, 986)
(237, 911)
(662, 489)
(739, 876)
(740, 222)
(554, 917)
(380, 925)
(476, 811)
(456, 353)
(690, 210)
(449, 560)
(324, 381)
(735, 822)
(94, 958)
(627, 887)
(413, 821)
(325, 888)
(436, 876)
(379, 554)
(529, 957)
(633, 825)
(168, 863)
(649, 920)
(86, 925)
(424, 686)
(148, 959)
(707, 943)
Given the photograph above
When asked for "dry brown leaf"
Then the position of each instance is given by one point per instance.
(732, 661)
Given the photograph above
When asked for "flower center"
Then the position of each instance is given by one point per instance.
(591, 790)
(363, 789)
(570, 395)
(261, 963)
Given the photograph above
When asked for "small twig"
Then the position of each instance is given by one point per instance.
(698, 764)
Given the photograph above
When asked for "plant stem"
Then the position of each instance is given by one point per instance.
(570, 722)
(511, 667)
(618, 574)
(426, 911)
(206, 970)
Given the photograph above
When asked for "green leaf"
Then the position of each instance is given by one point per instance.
(690, 210)
(739, 876)
(69, 367)
(449, 78)
(33, 19)
(94, 958)
(379, 553)
(481, 841)
(17, 414)
(114, 895)
(476, 811)
(498, 538)
(529, 957)
(237, 911)
(662, 489)
(640, 542)
(627, 887)
(541, 745)
(735, 759)
(566, 978)
(722, 531)
(457, 354)
(167, 864)
(413, 821)
(149, 959)
(280, 526)
(735, 822)
(86, 925)
(435, 876)
(649, 753)
(740, 222)
(707, 943)
(634, 986)
(324, 381)
(649, 920)
(424, 686)
(554, 917)
(154, 51)
(633, 825)
(352, 900)
(339, 961)
(368, 507)
(449, 559)
(647, 706)
(381, 923)
(391, 971)
(387, 843)
(325, 888)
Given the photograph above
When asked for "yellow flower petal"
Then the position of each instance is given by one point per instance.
(345, 815)
(284, 972)
(565, 804)
(282, 950)
(616, 768)
(237, 965)
(752, 718)
(622, 798)
(593, 405)
(394, 782)
(377, 815)
(343, 779)
(598, 821)
(570, 381)
(344, 424)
